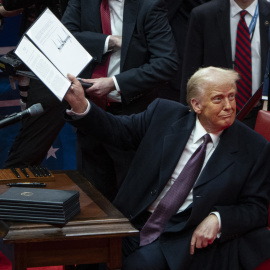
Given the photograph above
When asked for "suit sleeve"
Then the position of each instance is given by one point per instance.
(92, 41)
(161, 59)
(193, 56)
(251, 211)
(122, 131)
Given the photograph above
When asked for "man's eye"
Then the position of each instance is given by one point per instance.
(217, 99)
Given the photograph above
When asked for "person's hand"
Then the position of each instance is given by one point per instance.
(5, 13)
(75, 95)
(205, 233)
(115, 43)
(101, 87)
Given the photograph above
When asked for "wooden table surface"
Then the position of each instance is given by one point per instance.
(92, 236)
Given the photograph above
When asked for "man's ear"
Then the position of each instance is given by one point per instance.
(196, 105)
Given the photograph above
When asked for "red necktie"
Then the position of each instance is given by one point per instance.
(243, 62)
(101, 70)
(175, 197)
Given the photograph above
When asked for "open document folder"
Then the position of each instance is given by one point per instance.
(51, 52)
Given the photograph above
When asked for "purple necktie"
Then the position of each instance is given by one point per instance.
(243, 62)
(175, 197)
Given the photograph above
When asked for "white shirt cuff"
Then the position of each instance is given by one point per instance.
(116, 84)
(106, 45)
(75, 115)
(219, 221)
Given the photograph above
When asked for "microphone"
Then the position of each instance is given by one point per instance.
(35, 109)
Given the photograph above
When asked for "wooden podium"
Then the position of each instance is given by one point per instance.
(93, 236)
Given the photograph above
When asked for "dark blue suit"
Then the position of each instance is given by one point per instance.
(234, 182)
(148, 54)
(209, 40)
(148, 59)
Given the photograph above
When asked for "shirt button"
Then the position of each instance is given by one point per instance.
(153, 192)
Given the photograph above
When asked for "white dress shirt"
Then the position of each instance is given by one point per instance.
(194, 141)
(255, 42)
(116, 15)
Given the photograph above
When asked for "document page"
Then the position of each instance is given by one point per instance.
(42, 68)
(58, 44)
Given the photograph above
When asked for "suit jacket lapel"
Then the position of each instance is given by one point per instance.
(129, 21)
(221, 159)
(264, 17)
(223, 18)
(174, 144)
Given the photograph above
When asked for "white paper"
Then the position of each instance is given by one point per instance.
(58, 44)
(42, 68)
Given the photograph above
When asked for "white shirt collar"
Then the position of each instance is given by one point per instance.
(199, 132)
(235, 9)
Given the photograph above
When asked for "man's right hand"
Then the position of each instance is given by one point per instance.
(75, 96)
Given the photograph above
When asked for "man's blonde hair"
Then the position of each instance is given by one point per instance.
(209, 78)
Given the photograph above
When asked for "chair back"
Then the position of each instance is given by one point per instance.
(262, 126)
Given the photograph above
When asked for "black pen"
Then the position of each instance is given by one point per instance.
(26, 184)
(32, 169)
(47, 171)
(84, 84)
(15, 172)
(24, 172)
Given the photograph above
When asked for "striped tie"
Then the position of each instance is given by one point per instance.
(243, 62)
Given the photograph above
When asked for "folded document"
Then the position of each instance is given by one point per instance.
(39, 205)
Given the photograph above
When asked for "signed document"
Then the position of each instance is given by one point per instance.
(51, 52)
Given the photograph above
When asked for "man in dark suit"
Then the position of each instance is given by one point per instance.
(178, 16)
(143, 57)
(211, 40)
(227, 207)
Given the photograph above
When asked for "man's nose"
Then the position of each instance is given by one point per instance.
(227, 104)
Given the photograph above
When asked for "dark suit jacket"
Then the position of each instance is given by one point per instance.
(178, 15)
(148, 55)
(209, 42)
(234, 182)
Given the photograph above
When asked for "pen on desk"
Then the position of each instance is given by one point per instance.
(84, 84)
(24, 172)
(15, 172)
(26, 184)
(42, 171)
(47, 171)
(32, 169)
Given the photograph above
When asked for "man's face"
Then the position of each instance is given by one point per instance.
(244, 3)
(216, 109)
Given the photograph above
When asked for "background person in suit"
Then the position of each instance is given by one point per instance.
(178, 16)
(142, 58)
(211, 40)
(233, 183)
(38, 132)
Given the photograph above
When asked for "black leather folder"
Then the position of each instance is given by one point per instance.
(39, 205)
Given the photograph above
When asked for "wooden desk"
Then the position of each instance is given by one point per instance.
(93, 236)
